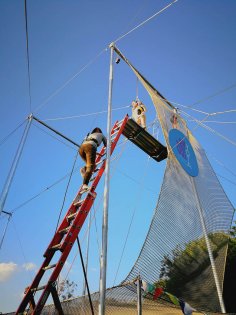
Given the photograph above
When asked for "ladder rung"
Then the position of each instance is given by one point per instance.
(92, 179)
(100, 162)
(114, 133)
(49, 267)
(63, 240)
(89, 192)
(96, 170)
(101, 155)
(38, 288)
(116, 128)
(58, 246)
(78, 202)
(120, 122)
(71, 216)
(64, 231)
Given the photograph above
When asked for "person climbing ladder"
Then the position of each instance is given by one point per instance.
(88, 152)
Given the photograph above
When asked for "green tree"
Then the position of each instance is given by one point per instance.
(187, 263)
(230, 274)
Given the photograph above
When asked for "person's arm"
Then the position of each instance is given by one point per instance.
(144, 107)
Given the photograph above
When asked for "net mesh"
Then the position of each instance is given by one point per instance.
(190, 224)
(192, 219)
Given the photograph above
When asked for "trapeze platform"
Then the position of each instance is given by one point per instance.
(144, 140)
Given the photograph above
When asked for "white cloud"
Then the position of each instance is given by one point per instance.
(29, 266)
(6, 270)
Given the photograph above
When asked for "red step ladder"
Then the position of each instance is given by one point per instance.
(66, 235)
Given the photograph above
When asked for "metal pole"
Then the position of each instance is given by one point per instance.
(57, 132)
(219, 292)
(15, 162)
(87, 252)
(103, 260)
(139, 295)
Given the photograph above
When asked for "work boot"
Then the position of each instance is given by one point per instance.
(85, 187)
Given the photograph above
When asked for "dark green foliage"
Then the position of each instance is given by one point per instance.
(230, 274)
(186, 264)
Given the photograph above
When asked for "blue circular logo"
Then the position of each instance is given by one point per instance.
(183, 151)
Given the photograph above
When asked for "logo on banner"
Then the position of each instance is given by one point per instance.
(183, 151)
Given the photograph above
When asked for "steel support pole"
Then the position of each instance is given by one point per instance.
(103, 260)
(57, 132)
(15, 162)
(219, 292)
(139, 295)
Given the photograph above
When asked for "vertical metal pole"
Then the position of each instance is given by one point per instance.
(219, 292)
(11, 174)
(139, 295)
(87, 252)
(103, 260)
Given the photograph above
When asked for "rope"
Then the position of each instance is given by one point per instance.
(144, 22)
(90, 62)
(67, 187)
(132, 218)
(22, 250)
(211, 130)
(197, 110)
(40, 193)
(5, 231)
(96, 228)
(27, 50)
(218, 122)
(228, 180)
(222, 164)
(224, 112)
(215, 94)
(69, 80)
(85, 115)
(131, 22)
(137, 80)
(12, 132)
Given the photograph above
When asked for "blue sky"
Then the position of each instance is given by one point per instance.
(187, 53)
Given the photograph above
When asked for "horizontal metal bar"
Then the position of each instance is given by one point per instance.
(57, 132)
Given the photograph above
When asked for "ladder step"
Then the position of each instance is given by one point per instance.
(120, 122)
(58, 246)
(114, 133)
(116, 128)
(92, 178)
(38, 288)
(63, 240)
(64, 231)
(78, 203)
(71, 216)
(49, 267)
(101, 155)
(101, 161)
(96, 170)
(88, 192)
